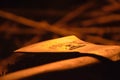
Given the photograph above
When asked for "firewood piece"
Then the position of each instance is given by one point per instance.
(57, 45)
(96, 30)
(101, 20)
(109, 52)
(45, 26)
(8, 61)
(103, 11)
(97, 39)
(34, 24)
(14, 29)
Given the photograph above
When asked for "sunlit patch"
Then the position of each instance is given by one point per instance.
(68, 46)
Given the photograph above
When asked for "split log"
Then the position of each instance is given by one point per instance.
(96, 30)
(94, 39)
(47, 27)
(13, 29)
(103, 11)
(109, 52)
(101, 20)
(34, 24)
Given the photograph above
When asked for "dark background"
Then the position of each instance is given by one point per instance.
(40, 4)
(14, 35)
